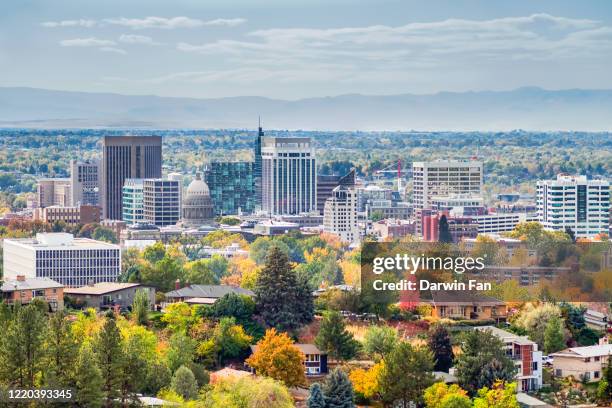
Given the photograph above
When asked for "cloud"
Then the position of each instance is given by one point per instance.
(87, 42)
(70, 23)
(171, 23)
(113, 50)
(137, 39)
(229, 22)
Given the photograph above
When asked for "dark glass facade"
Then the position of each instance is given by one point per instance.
(232, 186)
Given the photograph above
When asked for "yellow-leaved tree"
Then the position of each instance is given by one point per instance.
(277, 357)
(365, 382)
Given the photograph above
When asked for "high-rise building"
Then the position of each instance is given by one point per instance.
(161, 202)
(327, 183)
(232, 187)
(178, 177)
(63, 258)
(340, 214)
(133, 201)
(126, 157)
(289, 175)
(574, 202)
(53, 191)
(85, 182)
(257, 176)
(444, 178)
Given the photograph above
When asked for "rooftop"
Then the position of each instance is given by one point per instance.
(304, 348)
(588, 351)
(506, 336)
(11, 285)
(100, 288)
(60, 240)
(207, 291)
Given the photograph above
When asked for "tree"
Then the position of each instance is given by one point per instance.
(534, 320)
(133, 369)
(366, 382)
(89, 380)
(277, 294)
(107, 344)
(276, 356)
(181, 351)
(406, 375)
(334, 339)
(379, 341)
(338, 390)
(316, 399)
(553, 336)
(22, 347)
(104, 234)
(154, 253)
(483, 361)
(184, 383)
(444, 234)
(230, 340)
(199, 272)
(441, 395)
(179, 317)
(61, 351)
(500, 395)
(249, 392)
(440, 344)
(141, 307)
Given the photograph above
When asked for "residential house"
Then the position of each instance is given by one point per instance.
(464, 305)
(24, 290)
(204, 294)
(582, 363)
(526, 355)
(106, 295)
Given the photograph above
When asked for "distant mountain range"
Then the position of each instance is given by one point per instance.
(523, 108)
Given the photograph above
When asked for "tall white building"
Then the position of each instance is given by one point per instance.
(574, 202)
(85, 182)
(340, 214)
(289, 175)
(445, 178)
(62, 258)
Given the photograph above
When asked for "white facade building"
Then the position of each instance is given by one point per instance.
(289, 175)
(63, 258)
(574, 202)
(444, 178)
(501, 222)
(340, 214)
(161, 203)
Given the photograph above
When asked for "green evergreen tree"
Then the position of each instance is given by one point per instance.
(61, 351)
(553, 336)
(277, 293)
(184, 383)
(158, 377)
(338, 390)
(334, 339)
(608, 377)
(406, 375)
(440, 344)
(22, 347)
(482, 361)
(89, 380)
(110, 358)
(141, 307)
(133, 371)
(316, 399)
(444, 234)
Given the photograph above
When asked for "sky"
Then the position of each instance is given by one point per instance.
(294, 49)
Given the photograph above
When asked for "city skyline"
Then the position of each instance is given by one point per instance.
(293, 50)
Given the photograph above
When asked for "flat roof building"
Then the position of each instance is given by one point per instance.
(63, 258)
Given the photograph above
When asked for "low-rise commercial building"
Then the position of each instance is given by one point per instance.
(63, 258)
(84, 214)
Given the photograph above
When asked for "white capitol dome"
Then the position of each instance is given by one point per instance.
(197, 206)
(198, 187)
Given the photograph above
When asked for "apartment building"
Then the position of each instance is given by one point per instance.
(23, 290)
(574, 202)
(340, 214)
